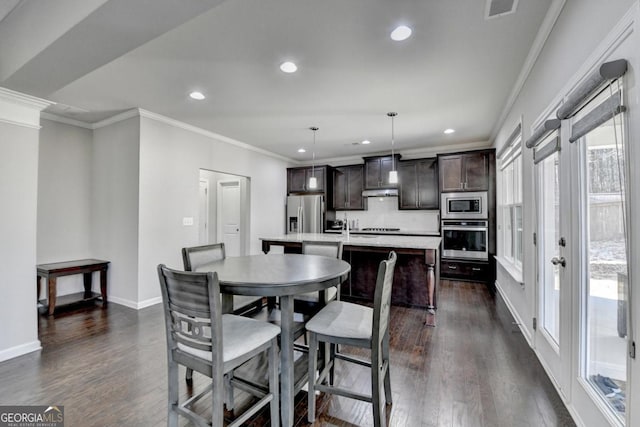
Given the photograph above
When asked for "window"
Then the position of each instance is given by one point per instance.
(510, 200)
(604, 267)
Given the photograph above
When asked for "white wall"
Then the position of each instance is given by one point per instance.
(18, 199)
(170, 161)
(114, 206)
(64, 199)
(578, 32)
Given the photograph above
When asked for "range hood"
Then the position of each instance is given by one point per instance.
(382, 192)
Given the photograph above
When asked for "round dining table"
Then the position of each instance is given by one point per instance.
(283, 276)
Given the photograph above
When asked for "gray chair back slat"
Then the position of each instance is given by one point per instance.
(382, 297)
(197, 256)
(328, 249)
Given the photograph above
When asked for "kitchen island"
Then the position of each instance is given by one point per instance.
(417, 270)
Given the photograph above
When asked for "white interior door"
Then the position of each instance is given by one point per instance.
(229, 215)
(553, 288)
(203, 212)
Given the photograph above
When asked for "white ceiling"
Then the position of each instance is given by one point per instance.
(457, 70)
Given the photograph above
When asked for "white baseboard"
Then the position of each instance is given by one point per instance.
(149, 302)
(514, 313)
(135, 305)
(19, 350)
(122, 301)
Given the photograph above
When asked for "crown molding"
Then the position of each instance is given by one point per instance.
(414, 153)
(217, 136)
(534, 52)
(66, 120)
(20, 109)
(129, 114)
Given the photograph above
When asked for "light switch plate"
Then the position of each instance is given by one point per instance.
(187, 220)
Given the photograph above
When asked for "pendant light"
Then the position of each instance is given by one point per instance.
(393, 173)
(313, 182)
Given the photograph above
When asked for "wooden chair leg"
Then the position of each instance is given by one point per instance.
(188, 376)
(313, 363)
(228, 392)
(172, 414)
(274, 385)
(379, 419)
(332, 359)
(217, 402)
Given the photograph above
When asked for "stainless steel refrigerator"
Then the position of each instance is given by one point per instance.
(305, 214)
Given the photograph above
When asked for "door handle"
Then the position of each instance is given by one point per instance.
(555, 261)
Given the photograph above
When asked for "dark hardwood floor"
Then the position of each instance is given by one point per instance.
(108, 368)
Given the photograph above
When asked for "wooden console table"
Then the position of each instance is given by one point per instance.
(83, 266)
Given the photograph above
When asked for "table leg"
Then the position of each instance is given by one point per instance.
(87, 284)
(38, 288)
(103, 285)
(51, 295)
(286, 361)
(227, 303)
(431, 283)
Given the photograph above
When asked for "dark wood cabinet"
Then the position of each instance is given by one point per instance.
(464, 171)
(475, 271)
(418, 184)
(298, 179)
(376, 171)
(348, 183)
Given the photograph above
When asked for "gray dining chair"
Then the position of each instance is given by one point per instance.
(309, 303)
(344, 323)
(196, 257)
(201, 338)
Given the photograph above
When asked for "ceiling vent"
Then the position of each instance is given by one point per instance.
(496, 8)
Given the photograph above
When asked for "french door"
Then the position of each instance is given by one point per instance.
(553, 242)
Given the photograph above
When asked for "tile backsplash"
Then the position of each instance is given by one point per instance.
(383, 212)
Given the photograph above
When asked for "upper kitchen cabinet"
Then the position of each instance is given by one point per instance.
(348, 183)
(376, 171)
(298, 179)
(464, 171)
(418, 184)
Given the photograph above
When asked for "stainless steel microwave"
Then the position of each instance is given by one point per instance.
(471, 205)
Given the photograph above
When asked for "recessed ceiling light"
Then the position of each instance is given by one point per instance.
(301, 150)
(448, 131)
(401, 33)
(197, 95)
(288, 67)
(365, 142)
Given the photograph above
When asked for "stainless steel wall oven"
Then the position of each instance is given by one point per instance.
(465, 239)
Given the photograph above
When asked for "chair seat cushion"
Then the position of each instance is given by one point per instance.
(343, 319)
(315, 296)
(240, 335)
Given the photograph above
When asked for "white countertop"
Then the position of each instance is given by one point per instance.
(390, 241)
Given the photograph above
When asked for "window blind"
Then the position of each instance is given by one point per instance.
(546, 150)
(599, 115)
(542, 131)
(608, 71)
(511, 148)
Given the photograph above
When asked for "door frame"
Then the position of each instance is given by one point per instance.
(244, 185)
(207, 215)
(557, 359)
